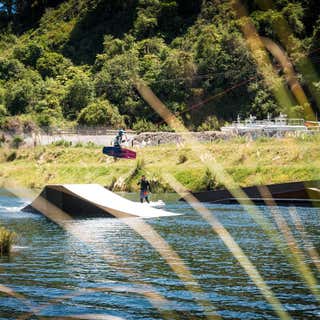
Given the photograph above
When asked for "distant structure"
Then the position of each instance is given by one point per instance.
(278, 126)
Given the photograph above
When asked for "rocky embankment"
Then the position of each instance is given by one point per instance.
(141, 139)
(156, 138)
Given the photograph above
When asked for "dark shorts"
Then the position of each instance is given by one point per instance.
(143, 194)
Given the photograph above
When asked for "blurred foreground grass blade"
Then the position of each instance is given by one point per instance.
(296, 49)
(309, 247)
(231, 244)
(297, 254)
(61, 218)
(175, 262)
(258, 46)
(225, 179)
(58, 216)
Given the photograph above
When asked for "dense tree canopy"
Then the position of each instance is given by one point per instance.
(61, 61)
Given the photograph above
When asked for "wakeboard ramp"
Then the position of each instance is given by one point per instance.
(90, 200)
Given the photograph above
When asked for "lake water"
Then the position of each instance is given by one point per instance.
(116, 274)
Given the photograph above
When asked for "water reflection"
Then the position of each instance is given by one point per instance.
(51, 263)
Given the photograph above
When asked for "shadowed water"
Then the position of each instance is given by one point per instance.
(48, 262)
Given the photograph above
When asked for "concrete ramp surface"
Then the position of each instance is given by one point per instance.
(89, 200)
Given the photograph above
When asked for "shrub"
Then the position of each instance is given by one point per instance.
(137, 169)
(19, 96)
(12, 125)
(2, 138)
(112, 183)
(48, 111)
(101, 112)
(79, 145)
(62, 143)
(210, 182)
(113, 47)
(80, 92)
(143, 125)
(91, 144)
(145, 26)
(158, 185)
(16, 141)
(52, 64)
(11, 156)
(3, 111)
(29, 126)
(29, 53)
(10, 68)
(7, 239)
(182, 158)
(211, 123)
(135, 172)
(44, 119)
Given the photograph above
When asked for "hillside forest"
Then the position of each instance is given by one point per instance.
(76, 62)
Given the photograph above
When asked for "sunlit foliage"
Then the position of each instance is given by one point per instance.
(56, 58)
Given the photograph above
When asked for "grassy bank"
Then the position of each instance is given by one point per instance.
(262, 161)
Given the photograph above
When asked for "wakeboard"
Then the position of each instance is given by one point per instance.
(118, 152)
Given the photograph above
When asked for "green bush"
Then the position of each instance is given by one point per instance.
(52, 64)
(11, 156)
(48, 111)
(62, 143)
(2, 95)
(10, 69)
(114, 81)
(79, 145)
(7, 40)
(80, 92)
(7, 239)
(146, 21)
(17, 141)
(134, 173)
(112, 46)
(112, 184)
(90, 144)
(101, 112)
(142, 125)
(13, 125)
(182, 159)
(158, 185)
(3, 111)
(44, 119)
(28, 53)
(316, 35)
(21, 95)
(210, 182)
(189, 53)
(18, 125)
(2, 138)
(29, 126)
(211, 123)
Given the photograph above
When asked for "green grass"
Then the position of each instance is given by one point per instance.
(264, 161)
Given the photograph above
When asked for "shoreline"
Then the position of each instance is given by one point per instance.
(258, 162)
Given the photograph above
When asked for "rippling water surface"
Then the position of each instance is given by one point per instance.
(113, 271)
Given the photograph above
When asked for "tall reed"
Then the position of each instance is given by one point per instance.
(7, 238)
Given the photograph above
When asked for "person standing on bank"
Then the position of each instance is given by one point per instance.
(144, 189)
